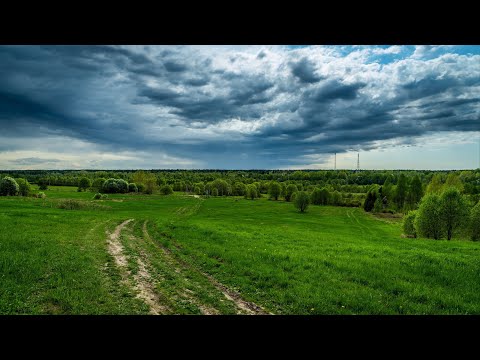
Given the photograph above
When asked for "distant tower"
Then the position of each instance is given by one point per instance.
(358, 161)
(335, 166)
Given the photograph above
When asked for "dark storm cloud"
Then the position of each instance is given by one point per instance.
(194, 106)
(305, 71)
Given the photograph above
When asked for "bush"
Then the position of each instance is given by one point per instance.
(251, 192)
(84, 183)
(70, 204)
(166, 190)
(140, 187)
(408, 224)
(214, 191)
(289, 191)
(104, 197)
(115, 186)
(98, 183)
(132, 187)
(427, 220)
(97, 196)
(475, 222)
(24, 187)
(8, 187)
(43, 184)
(301, 201)
(41, 195)
(274, 190)
(320, 196)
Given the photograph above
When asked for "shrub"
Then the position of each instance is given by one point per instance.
(98, 183)
(453, 211)
(70, 204)
(320, 196)
(274, 190)
(251, 192)
(289, 191)
(97, 196)
(114, 186)
(43, 184)
(408, 224)
(41, 195)
(8, 187)
(132, 187)
(84, 183)
(104, 197)
(427, 220)
(140, 187)
(24, 187)
(475, 222)
(166, 190)
(301, 201)
(214, 191)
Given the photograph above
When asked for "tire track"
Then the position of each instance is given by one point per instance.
(241, 304)
(142, 280)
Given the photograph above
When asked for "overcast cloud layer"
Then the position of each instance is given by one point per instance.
(234, 107)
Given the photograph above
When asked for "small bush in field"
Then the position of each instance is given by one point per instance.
(97, 196)
(41, 195)
(409, 224)
(8, 187)
(132, 187)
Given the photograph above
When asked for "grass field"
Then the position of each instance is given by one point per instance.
(186, 255)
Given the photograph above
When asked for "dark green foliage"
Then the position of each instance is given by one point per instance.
(166, 190)
(251, 192)
(409, 224)
(378, 206)
(475, 222)
(427, 219)
(98, 183)
(115, 186)
(24, 187)
(97, 196)
(274, 190)
(8, 187)
(132, 187)
(401, 191)
(289, 191)
(43, 184)
(336, 198)
(369, 202)
(214, 191)
(415, 192)
(140, 187)
(453, 211)
(320, 196)
(239, 189)
(84, 183)
(301, 200)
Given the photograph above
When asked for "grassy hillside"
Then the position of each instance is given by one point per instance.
(330, 260)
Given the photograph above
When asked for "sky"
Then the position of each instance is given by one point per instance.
(239, 107)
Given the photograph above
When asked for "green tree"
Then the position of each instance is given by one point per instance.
(435, 185)
(215, 191)
(8, 187)
(453, 180)
(84, 183)
(301, 201)
(289, 191)
(475, 222)
(378, 205)
(336, 198)
(401, 191)
(409, 224)
(132, 187)
(453, 210)
(274, 190)
(24, 188)
(427, 220)
(43, 183)
(251, 192)
(166, 190)
(415, 192)
(369, 202)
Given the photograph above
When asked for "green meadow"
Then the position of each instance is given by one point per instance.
(182, 254)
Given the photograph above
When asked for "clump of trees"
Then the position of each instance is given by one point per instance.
(9, 187)
(441, 215)
(24, 187)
